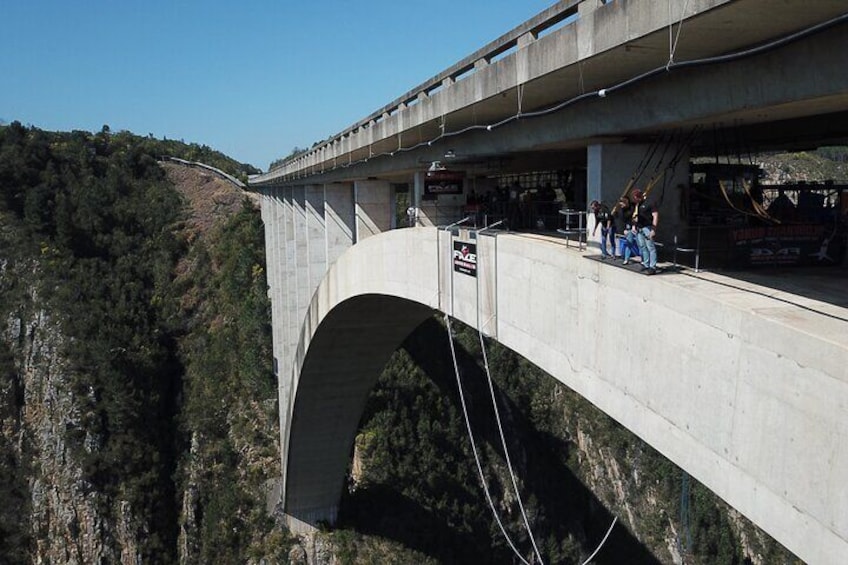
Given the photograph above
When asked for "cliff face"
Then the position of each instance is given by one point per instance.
(57, 516)
(82, 480)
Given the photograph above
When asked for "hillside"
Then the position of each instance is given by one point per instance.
(827, 163)
(139, 408)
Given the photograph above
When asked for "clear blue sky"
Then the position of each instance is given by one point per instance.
(252, 78)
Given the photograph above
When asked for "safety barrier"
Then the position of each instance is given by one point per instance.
(570, 229)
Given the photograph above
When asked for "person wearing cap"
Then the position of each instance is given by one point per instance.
(645, 218)
(603, 219)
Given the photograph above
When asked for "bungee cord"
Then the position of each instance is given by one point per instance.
(757, 214)
(506, 454)
(474, 447)
(504, 446)
(509, 464)
(640, 170)
(603, 541)
(672, 47)
(505, 450)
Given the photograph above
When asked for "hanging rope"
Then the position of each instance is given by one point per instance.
(672, 47)
(580, 82)
(520, 97)
(723, 191)
(509, 465)
(757, 206)
(684, 515)
(603, 541)
(658, 172)
(474, 446)
(503, 438)
(505, 450)
(637, 173)
(683, 144)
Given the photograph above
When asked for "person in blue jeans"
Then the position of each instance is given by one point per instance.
(645, 217)
(622, 214)
(603, 218)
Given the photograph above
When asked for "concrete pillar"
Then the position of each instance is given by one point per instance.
(301, 240)
(611, 166)
(270, 207)
(373, 207)
(291, 305)
(282, 282)
(306, 228)
(316, 233)
(283, 310)
(339, 220)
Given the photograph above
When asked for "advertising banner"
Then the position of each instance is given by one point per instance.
(784, 245)
(443, 182)
(465, 258)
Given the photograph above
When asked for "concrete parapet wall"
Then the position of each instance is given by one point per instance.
(746, 393)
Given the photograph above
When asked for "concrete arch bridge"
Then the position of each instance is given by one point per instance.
(697, 366)
(745, 388)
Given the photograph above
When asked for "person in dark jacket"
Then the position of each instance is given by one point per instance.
(622, 222)
(645, 216)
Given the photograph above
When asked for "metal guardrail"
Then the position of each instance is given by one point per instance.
(675, 249)
(219, 172)
(570, 229)
(694, 250)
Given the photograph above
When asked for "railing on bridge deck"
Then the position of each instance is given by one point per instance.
(560, 14)
(539, 216)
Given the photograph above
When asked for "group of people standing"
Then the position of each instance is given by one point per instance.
(635, 222)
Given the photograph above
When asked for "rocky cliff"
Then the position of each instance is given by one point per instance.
(138, 419)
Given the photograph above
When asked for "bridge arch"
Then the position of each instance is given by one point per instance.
(364, 308)
(346, 355)
(693, 365)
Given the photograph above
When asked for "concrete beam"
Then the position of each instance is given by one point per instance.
(373, 199)
(771, 86)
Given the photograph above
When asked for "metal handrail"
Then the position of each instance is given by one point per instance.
(580, 231)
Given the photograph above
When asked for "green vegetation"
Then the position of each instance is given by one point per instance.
(151, 370)
(231, 406)
(293, 153)
(102, 211)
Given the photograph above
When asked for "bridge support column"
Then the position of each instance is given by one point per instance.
(300, 273)
(272, 213)
(373, 207)
(339, 219)
(610, 166)
(307, 228)
(316, 231)
(290, 321)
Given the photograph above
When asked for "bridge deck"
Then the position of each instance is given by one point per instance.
(803, 286)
